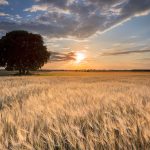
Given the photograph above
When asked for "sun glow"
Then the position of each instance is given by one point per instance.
(80, 56)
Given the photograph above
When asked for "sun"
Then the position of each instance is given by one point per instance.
(79, 56)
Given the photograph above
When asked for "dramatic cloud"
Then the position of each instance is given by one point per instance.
(4, 2)
(56, 56)
(78, 18)
(125, 52)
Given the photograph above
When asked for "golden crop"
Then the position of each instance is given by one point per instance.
(75, 113)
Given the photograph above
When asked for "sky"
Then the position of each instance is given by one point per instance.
(85, 34)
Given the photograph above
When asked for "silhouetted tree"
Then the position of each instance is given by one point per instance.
(22, 51)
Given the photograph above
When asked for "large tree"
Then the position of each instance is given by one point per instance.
(22, 51)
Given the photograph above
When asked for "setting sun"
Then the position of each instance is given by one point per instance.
(80, 56)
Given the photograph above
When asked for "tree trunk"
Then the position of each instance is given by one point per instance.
(23, 71)
(27, 72)
(20, 71)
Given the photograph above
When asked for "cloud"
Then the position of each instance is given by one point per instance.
(63, 28)
(144, 59)
(57, 3)
(56, 56)
(124, 52)
(45, 8)
(79, 18)
(4, 2)
(36, 8)
(3, 14)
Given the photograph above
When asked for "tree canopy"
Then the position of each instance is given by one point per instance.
(22, 51)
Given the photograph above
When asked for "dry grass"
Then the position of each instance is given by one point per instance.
(75, 113)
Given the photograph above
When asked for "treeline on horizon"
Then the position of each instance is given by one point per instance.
(88, 70)
(96, 70)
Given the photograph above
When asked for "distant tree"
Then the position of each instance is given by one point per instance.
(22, 51)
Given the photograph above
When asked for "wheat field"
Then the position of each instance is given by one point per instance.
(99, 112)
